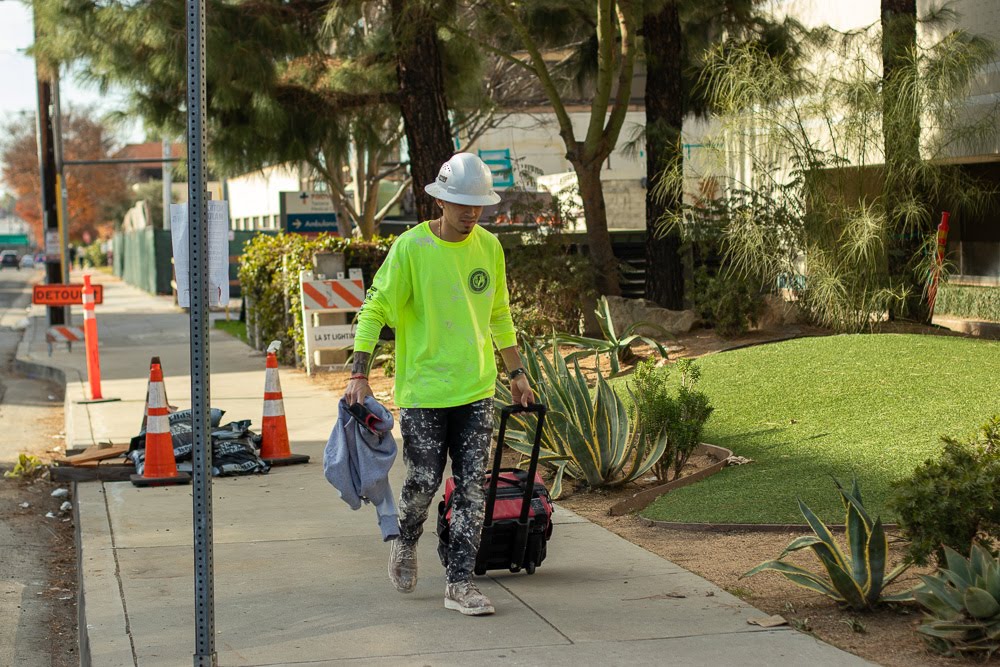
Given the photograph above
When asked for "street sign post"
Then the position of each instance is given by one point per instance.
(198, 256)
(63, 295)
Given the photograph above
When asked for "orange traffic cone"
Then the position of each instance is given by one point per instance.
(274, 448)
(160, 469)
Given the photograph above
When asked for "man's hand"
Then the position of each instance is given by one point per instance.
(521, 392)
(356, 391)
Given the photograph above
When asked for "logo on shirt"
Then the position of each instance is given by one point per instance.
(479, 280)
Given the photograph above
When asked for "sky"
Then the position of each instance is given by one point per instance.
(18, 91)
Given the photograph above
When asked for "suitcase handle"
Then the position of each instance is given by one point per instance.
(529, 486)
(516, 408)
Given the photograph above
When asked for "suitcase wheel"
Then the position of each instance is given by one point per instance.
(530, 567)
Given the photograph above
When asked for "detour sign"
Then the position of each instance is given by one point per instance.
(63, 295)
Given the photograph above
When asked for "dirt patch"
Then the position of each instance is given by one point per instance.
(46, 566)
(886, 636)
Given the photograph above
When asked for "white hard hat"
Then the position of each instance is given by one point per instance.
(464, 179)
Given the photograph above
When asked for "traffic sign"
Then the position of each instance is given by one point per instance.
(63, 294)
(311, 223)
(308, 212)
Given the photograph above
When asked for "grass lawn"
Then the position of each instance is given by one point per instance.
(871, 406)
(234, 328)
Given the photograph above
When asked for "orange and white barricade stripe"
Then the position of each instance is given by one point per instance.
(63, 334)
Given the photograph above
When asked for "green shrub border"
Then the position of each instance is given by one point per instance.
(269, 275)
(549, 285)
(969, 302)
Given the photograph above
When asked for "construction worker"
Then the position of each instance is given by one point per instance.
(443, 287)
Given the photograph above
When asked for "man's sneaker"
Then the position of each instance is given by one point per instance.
(403, 565)
(465, 597)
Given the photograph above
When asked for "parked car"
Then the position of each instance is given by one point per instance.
(27, 262)
(8, 258)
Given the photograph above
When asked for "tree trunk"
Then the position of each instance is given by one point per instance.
(421, 96)
(664, 118)
(598, 239)
(901, 134)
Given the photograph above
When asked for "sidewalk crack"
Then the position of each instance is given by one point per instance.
(533, 610)
(118, 578)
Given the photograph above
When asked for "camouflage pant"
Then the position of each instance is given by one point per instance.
(429, 435)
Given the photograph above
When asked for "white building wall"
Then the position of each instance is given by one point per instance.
(254, 202)
(535, 145)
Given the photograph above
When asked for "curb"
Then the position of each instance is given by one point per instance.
(34, 369)
(744, 527)
(641, 500)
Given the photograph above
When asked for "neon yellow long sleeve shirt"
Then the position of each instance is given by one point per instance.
(446, 301)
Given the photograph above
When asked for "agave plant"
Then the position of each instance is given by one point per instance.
(858, 578)
(962, 604)
(587, 436)
(616, 347)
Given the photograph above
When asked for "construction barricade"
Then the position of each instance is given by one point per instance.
(338, 295)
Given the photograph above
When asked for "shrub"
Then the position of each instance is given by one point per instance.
(617, 347)
(549, 285)
(657, 410)
(971, 301)
(952, 500)
(962, 603)
(731, 304)
(587, 436)
(858, 578)
(94, 254)
(269, 270)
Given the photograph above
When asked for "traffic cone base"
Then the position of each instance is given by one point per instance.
(179, 478)
(274, 447)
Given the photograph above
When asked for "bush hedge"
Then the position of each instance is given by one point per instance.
(969, 301)
(549, 285)
(269, 276)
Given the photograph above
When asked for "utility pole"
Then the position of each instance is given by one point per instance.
(61, 188)
(47, 172)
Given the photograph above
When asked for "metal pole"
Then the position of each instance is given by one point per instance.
(168, 183)
(61, 187)
(47, 174)
(204, 577)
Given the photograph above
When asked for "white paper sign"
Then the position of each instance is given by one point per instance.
(218, 252)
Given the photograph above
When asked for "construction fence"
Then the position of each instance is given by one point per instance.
(142, 258)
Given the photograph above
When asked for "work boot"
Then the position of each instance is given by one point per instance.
(403, 565)
(465, 596)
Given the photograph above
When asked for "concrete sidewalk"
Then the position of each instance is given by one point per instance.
(300, 579)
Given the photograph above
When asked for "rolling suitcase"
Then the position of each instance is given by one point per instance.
(518, 522)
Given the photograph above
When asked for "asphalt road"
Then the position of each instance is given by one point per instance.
(37, 553)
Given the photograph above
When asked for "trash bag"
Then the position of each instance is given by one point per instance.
(234, 446)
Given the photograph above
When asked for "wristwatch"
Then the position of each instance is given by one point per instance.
(516, 372)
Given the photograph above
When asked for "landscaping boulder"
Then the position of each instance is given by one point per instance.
(777, 312)
(625, 312)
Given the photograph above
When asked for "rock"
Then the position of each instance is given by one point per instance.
(60, 493)
(24, 506)
(625, 312)
(777, 313)
(66, 506)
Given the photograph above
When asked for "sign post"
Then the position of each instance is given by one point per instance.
(204, 575)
